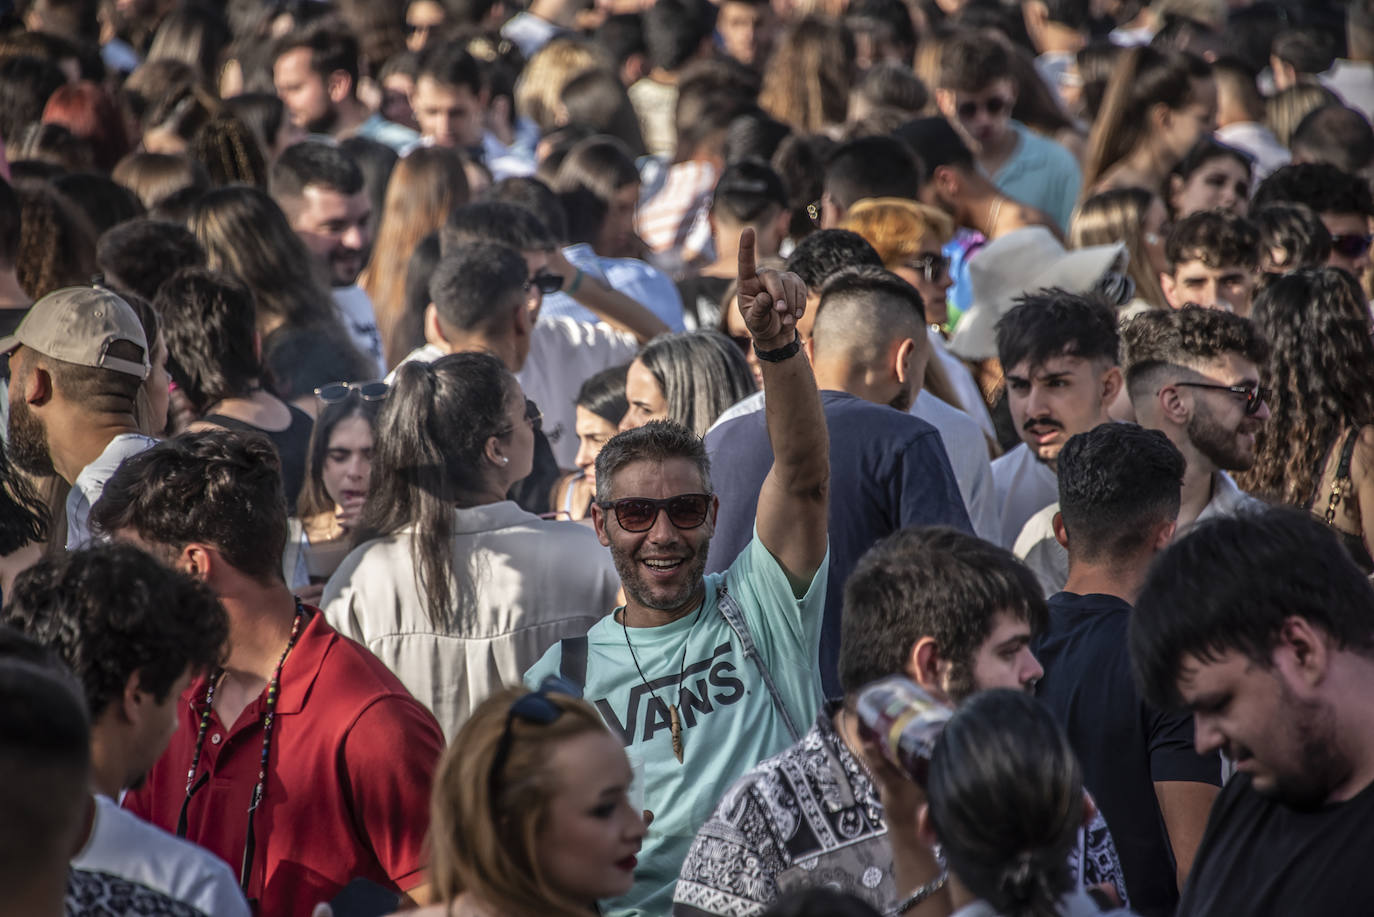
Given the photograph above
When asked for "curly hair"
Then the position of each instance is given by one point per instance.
(1217, 238)
(1319, 185)
(1320, 366)
(1185, 337)
(112, 612)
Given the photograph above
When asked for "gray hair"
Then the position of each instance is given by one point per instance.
(701, 374)
(656, 441)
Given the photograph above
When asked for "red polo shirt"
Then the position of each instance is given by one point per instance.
(347, 791)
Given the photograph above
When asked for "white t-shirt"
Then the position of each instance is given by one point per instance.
(1025, 485)
(564, 353)
(125, 845)
(968, 456)
(90, 483)
(360, 320)
(965, 386)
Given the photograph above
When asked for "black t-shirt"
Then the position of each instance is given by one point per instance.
(888, 470)
(292, 444)
(701, 301)
(1124, 744)
(1261, 858)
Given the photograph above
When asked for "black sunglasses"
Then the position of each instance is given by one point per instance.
(993, 106)
(336, 392)
(536, 708)
(1351, 245)
(1254, 395)
(546, 282)
(638, 514)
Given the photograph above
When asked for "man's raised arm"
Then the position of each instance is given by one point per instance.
(794, 501)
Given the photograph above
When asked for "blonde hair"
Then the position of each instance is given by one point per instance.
(486, 846)
(1284, 110)
(896, 227)
(423, 189)
(1116, 216)
(806, 84)
(539, 91)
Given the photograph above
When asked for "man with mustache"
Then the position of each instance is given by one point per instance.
(1119, 494)
(1259, 627)
(1193, 374)
(1058, 353)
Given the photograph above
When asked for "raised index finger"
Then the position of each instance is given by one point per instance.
(747, 270)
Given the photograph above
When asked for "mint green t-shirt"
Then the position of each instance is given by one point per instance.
(729, 722)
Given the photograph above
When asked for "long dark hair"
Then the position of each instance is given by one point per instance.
(24, 517)
(1006, 801)
(1321, 369)
(314, 499)
(701, 374)
(430, 446)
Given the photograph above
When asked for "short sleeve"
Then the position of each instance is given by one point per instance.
(389, 760)
(1172, 754)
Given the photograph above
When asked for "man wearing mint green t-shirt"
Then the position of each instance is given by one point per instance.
(669, 672)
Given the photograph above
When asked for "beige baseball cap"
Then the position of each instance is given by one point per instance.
(78, 325)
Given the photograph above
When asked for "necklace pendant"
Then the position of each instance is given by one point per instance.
(675, 727)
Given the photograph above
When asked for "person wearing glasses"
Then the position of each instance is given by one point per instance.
(701, 676)
(1213, 260)
(215, 362)
(338, 471)
(452, 584)
(976, 93)
(532, 810)
(1196, 375)
(1317, 450)
(300, 759)
(1119, 496)
(1343, 201)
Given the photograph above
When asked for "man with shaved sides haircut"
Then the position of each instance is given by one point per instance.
(890, 469)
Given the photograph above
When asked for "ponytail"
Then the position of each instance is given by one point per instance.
(429, 450)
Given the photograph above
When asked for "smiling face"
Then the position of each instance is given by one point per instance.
(334, 226)
(590, 834)
(1254, 715)
(661, 569)
(1051, 402)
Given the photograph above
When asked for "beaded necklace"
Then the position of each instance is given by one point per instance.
(268, 717)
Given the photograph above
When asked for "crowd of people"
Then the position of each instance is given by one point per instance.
(470, 459)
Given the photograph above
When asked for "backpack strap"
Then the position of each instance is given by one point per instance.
(573, 664)
(734, 616)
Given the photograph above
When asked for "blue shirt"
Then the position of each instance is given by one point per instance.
(888, 470)
(729, 722)
(1041, 173)
(642, 282)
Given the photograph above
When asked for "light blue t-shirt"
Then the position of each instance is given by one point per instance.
(639, 280)
(729, 722)
(1041, 173)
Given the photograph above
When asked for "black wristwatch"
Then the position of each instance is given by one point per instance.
(782, 353)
